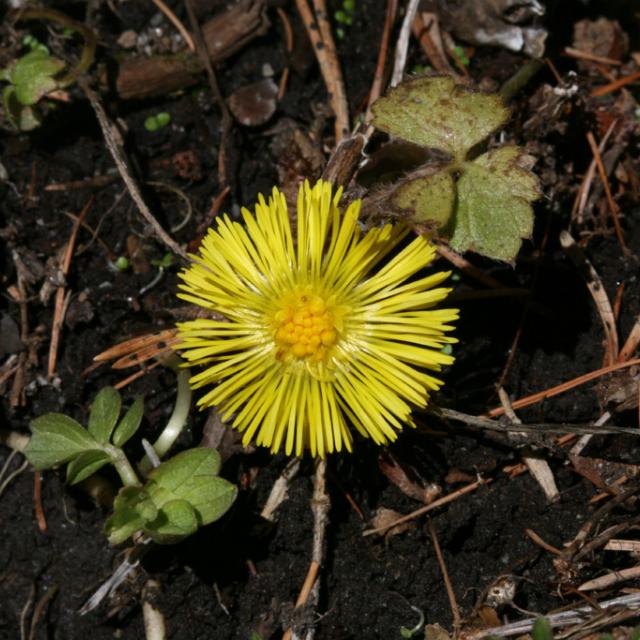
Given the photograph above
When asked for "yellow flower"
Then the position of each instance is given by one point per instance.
(327, 326)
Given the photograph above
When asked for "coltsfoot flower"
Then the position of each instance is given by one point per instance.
(327, 326)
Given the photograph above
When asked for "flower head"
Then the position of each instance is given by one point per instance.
(326, 326)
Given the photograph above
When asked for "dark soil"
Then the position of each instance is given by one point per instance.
(242, 575)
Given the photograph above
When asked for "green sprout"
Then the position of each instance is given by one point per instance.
(171, 501)
(461, 55)
(344, 18)
(158, 121)
(122, 263)
(29, 79)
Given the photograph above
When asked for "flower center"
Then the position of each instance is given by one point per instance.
(305, 328)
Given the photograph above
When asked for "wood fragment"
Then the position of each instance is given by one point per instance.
(615, 85)
(590, 57)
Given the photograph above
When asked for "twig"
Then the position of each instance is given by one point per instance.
(280, 489)
(118, 155)
(464, 265)
(632, 342)
(613, 207)
(319, 32)
(288, 31)
(426, 29)
(561, 619)
(609, 579)
(623, 545)
(381, 63)
(62, 296)
(455, 611)
(13, 475)
(310, 589)
(454, 495)
(227, 120)
(403, 43)
(25, 611)
(154, 626)
(173, 19)
(565, 386)
(591, 57)
(538, 467)
(598, 293)
(615, 85)
(579, 204)
(541, 543)
(482, 422)
(39, 609)
(37, 501)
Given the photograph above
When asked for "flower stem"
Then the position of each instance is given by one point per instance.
(176, 422)
(123, 467)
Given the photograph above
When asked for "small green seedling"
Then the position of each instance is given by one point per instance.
(461, 55)
(29, 79)
(158, 121)
(344, 18)
(122, 264)
(480, 202)
(177, 497)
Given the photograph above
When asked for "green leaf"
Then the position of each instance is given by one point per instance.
(193, 476)
(85, 465)
(32, 89)
(436, 112)
(129, 424)
(104, 414)
(132, 508)
(36, 63)
(494, 211)
(56, 439)
(176, 520)
(427, 199)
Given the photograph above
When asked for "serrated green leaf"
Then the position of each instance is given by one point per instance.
(176, 520)
(129, 424)
(85, 465)
(192, 476)
(104, 414)
(436, 112)
(132, 508)
(494, 210)
(35, 64)
(32, 89)
(56, 439)
(427, 199)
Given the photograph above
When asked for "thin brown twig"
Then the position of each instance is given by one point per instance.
(579, 204)
(288, 31)
(37, 501)
(613, 207)
(320, 506)
(541, 543)
(175, 21)
(632, 342)
(615, 85)
(381, 63)
(464, 265)
(319, 32)
(455, 610)
(227, 120)
(598, 293)
(62, 296)
(450, 497)
(591, 57)
(426, 29)
(120, 160)
(563, 387)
